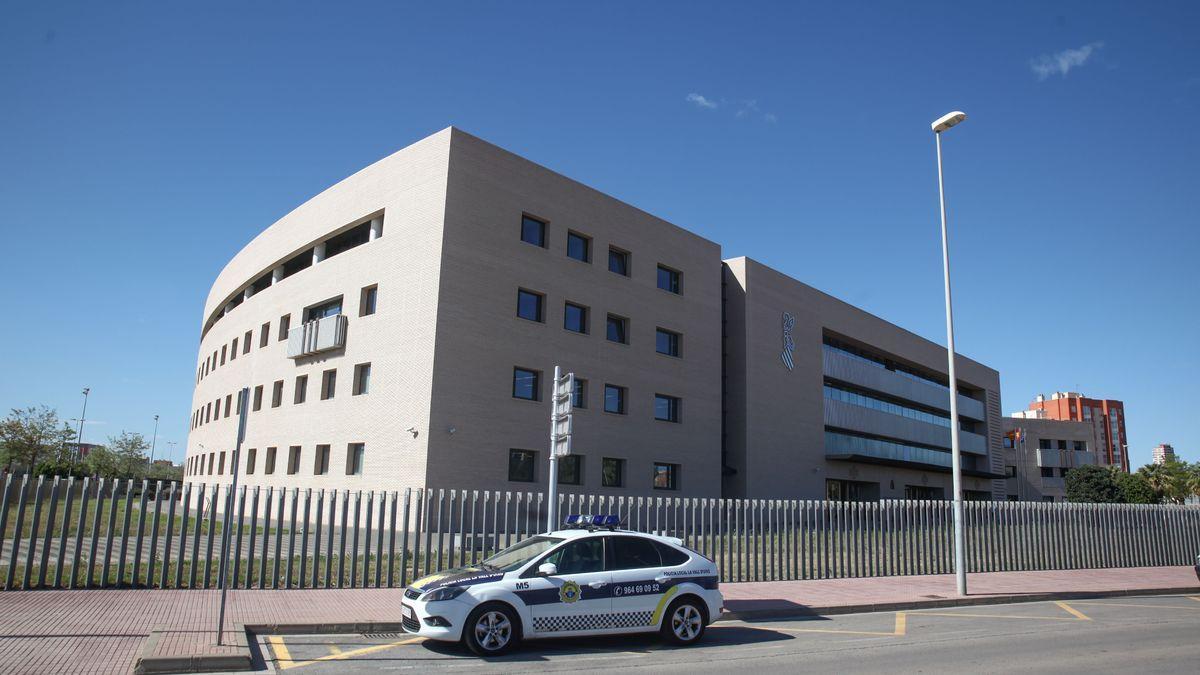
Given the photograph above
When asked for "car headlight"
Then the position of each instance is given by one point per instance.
(446, 593)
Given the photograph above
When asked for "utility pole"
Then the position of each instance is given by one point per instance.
(153, 439)
(79, 438)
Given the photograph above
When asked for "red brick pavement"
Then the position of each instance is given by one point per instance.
(103, 631)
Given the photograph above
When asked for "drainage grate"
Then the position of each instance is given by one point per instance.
(380, 636)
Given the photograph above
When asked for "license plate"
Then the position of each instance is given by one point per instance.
(408, 611)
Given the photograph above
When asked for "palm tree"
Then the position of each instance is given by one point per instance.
(1158, 477)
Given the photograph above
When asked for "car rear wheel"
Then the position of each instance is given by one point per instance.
(684, 622)
(492, 630)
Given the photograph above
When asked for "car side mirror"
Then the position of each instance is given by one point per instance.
(547, 570)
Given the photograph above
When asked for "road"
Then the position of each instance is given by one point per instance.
(1156, 634)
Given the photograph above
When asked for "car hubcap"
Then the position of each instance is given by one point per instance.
(493, 630)
(686, 622)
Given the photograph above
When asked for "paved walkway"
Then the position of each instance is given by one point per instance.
(105, 631)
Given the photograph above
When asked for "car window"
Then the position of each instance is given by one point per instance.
(579, 557)
(671, 556)
(513, 557)
(629, 553)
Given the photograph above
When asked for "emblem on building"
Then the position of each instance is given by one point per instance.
(789, 322)
(569, 592)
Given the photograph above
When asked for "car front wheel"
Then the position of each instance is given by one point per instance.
(491, 630)
(684, 622)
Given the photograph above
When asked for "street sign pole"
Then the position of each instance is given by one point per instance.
(222, 577)
(560, 436)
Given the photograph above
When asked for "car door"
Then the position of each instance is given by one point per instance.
(638, 585)
(577, 597)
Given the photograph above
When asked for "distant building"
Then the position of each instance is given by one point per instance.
(1070, 405)
(82, 450)
(1039, 452)
(1163, 453)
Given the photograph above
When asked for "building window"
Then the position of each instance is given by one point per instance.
(575, 318)
(614, 399)
(323, 311)
(264, 334)
(1079, 446)
(258, 394)
(527, 384)
(246, 340)
(321, 465)
(224, 348)
(579, 247)
(366, 300)
(301, 389)
(354, 458)
(618, 329)
(285, 324)
(211, 462)
(522, 465)
(570, 470)
(362, 379)
(233, 349)
(328, 384)
(533, 231)
(612, 472)
(666, 408)
(1010, 471)
(221, 464)
(277, 394)
(579, 394)
(618, 261)
(529, 305)
(666, 342)
(668, 279)
(251, 455)
(1008, 442)
(293, 460)
(228, 404)
(1047, 472)
(269, 466)
(666, 476)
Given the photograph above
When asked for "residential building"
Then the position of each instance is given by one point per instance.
(1039, 451)
(401, 329)
(1070, 405)
(1163, 453)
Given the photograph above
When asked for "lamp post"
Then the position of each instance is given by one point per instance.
(960, 568)
(79, 438)
(153, 439)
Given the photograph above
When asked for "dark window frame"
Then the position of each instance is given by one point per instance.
(536, 387)
(585, 313)
(672, 475)
(531, 456)
(674, 342)
(622, 397)
(674, 279)
(622, 322)
(540, 306)
(542, 229)
(623, 255)
(586, 241)
(604, 474)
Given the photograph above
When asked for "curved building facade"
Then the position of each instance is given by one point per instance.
(401, 328)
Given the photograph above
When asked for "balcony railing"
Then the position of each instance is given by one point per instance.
(313, 337)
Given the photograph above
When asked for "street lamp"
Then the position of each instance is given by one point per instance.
(153, 439)
(79, 438)
(960, 567)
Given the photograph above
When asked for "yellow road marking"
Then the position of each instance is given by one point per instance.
(334, 649)
(282, 654)
(1124, 604)
(901, 623)
(1193, 597)
(995, 616)
(1078, 614)
(899, 631)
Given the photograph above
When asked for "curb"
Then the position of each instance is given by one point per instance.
(800, 612)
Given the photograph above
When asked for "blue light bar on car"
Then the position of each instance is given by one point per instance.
(583, 520)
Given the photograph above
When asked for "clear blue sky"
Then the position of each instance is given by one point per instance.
(142, 145)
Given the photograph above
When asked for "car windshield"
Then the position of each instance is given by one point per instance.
(515, 556)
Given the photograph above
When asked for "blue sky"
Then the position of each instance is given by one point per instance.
(141, 145)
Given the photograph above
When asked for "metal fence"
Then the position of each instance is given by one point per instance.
(69, 533)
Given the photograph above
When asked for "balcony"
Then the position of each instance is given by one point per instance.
(842, 367)
(843, 415)
(320, 335)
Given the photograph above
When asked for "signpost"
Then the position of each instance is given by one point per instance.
(560, 435)
(222, 577)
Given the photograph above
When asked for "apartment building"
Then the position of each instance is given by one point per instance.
(1071, 405)
(1163, 453)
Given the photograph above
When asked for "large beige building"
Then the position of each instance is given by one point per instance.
(1039, 452)
(401, 328)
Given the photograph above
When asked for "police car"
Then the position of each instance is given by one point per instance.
(589, 579)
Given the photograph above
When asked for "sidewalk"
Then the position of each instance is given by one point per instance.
(107, 631)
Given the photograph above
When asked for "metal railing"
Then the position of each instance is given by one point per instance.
(70, 533)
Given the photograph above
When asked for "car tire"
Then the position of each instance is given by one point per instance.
(492, 630)
(684, 621)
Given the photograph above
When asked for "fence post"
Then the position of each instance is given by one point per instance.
(166, 559)
(79, 528)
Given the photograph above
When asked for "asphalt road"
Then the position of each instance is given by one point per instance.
(1156, 634)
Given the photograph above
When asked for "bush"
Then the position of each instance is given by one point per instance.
(1092, 484)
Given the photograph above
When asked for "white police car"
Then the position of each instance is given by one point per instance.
(594, 579)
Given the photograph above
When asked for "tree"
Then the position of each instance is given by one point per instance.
(1169, 480)
(1092, 484)
(31, 435)
(129, 454)
(1134, 488)
(1193, 480)
(102, 462)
